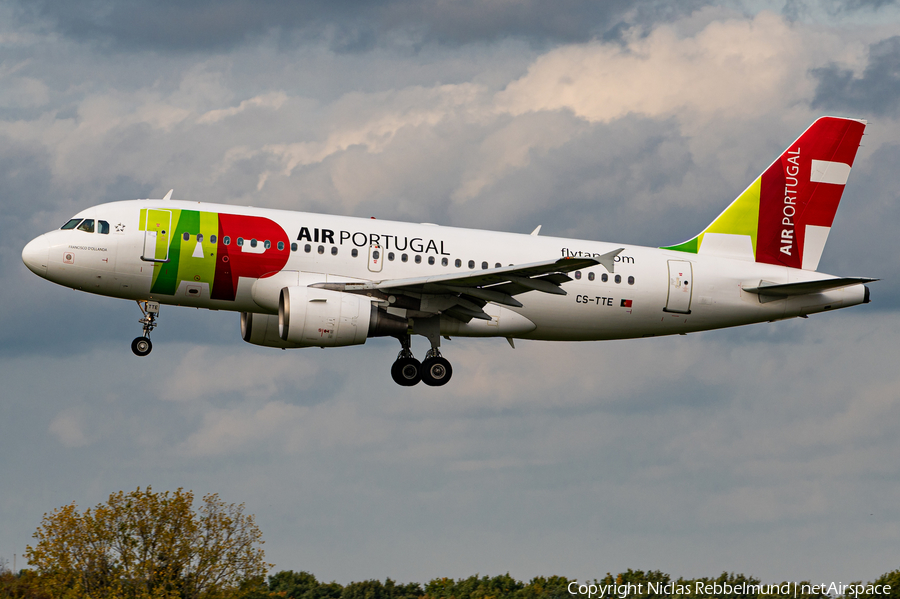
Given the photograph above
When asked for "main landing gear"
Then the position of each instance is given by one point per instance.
(434, 371)
(141, 346)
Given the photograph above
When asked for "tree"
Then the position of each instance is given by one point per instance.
(146, 545)
(303, 585)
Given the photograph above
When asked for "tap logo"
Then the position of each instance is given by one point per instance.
(211, 248)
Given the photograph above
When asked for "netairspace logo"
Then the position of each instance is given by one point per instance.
(700, 588)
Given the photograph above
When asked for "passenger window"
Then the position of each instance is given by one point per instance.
(226, 240)
(267, 244)
(471, 264)
(334, 250)
(376, 255)
(631, 280)
(418, 259)
(391, 256)
(578, 274)
(200, 237)
(354, 252)
(293, 247)
(604, 277)
(618, 278)
(212, 238)
(253, 243)
(497, 265)
(321, 249)
(444, 262)
(403, 257)
(307, 248)
(458, 263)
(104, 227)
(590, 276)
(431, 260)
(280, 246)
(71, 224)
(87, 225)
(240, 241)
(186, 236)
(484, 265)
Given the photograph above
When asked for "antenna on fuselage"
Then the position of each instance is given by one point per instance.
(536, 231)
(168, 195)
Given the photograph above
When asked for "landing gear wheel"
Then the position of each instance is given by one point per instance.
(436, 371)
(141, 346)
(406, 372)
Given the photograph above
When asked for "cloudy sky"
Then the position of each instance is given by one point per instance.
(770, 450)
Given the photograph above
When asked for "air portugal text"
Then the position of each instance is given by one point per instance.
(360, 239)
(791, 171)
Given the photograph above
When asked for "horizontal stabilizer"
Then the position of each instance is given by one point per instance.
(805, 287)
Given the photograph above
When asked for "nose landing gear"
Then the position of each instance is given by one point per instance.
(141, 346)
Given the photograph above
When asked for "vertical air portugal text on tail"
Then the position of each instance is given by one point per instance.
(314, 280)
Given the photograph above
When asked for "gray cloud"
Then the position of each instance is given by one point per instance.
(876, 92)
(178, 25)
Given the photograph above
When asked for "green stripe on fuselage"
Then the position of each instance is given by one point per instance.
(190, 259)
(198, 258)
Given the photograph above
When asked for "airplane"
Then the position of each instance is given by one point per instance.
(315, 280)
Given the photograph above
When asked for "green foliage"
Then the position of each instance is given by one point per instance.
(892, 579)
(24, 585)
(644, 582)
(302, 585)
(146, 545)
(474, 588)
(373, 589)
(725, 581)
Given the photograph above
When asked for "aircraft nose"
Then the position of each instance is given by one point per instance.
(35, 255)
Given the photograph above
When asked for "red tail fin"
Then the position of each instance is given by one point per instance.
(800, 193)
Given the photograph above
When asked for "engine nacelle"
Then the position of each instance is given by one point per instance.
(346, 319)
(262, 329)
(309, 316)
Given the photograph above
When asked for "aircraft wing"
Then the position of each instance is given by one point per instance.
(464, 294)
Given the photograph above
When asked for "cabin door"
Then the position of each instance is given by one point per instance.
(680, 287)
(376, 257)
(157, 231)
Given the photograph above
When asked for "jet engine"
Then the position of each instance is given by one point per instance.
(262, 329)
(309, 316)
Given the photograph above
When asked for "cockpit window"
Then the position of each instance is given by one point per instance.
(87, 225)
(71, 224)
(104, 227)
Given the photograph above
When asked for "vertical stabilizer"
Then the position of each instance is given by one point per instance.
(785, 215)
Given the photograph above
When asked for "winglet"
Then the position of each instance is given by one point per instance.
(168, 195)
(608, 260)
(536, 230)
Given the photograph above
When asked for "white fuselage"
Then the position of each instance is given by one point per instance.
(650, 291)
